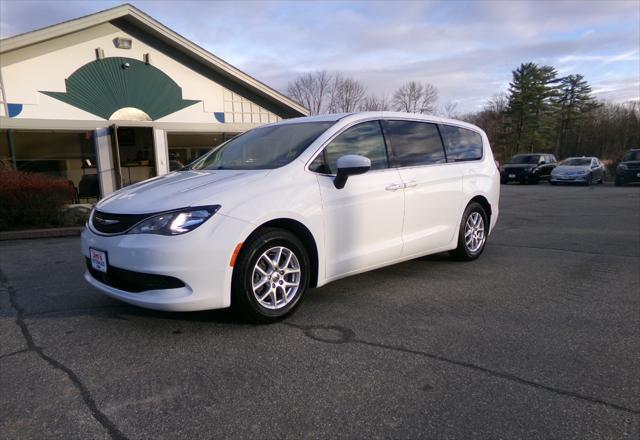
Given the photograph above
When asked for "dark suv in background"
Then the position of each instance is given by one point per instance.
(528, 168)
(628, 170)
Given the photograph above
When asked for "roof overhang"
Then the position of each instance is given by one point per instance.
(148, 24)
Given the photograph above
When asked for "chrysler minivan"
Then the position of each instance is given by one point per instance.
(286, 207)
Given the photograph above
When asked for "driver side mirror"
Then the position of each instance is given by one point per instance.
(350, 165)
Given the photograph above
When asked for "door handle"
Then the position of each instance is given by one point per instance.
(394, 187)
(411, 184)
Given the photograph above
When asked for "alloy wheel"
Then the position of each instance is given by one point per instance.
(474, 234)
(276, 277)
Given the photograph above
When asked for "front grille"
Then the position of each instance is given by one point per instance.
(115, 223)
(516, 171)
(633, 166)
(130, 281)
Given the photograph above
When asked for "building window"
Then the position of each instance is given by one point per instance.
(67, 154)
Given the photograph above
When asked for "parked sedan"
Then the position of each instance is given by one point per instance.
(628, 170)
(528, 168)
(584, 170)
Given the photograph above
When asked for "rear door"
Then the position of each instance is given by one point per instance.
(363, 220)
(433, 188)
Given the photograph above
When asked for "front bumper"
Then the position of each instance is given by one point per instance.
(517, 175)
(628, 176)
(569, 178)
(199, 260)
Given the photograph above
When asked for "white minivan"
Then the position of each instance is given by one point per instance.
(290, 206)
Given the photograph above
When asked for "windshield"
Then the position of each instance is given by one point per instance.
(576, 162)
(632, 155)
(525, 158)
(262, 148)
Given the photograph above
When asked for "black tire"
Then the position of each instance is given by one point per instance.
(243, 299)
(618, 182)
(601, 181)
(553, 183)
(462, 252)
(589, 180)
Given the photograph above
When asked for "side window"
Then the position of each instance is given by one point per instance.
(461, 144)
(415, 143)
(364, 139)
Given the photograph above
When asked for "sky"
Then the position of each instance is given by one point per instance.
(467, 49)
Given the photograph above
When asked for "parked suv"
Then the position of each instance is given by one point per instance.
(293, 205)
(628, 170)
(528, 168)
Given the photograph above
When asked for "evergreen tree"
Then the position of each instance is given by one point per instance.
(531, 103)
(574, 102)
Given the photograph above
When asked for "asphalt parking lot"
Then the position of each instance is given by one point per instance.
(537, 339)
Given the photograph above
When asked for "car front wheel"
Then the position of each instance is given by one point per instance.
(271, 274)
(473, 233)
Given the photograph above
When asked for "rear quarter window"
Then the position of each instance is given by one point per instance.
(461, 144)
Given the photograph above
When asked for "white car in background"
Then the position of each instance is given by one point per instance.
(285, 207)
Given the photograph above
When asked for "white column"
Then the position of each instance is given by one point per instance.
(106, 173)
(162, 151)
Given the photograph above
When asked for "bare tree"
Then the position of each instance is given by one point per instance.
(450, 110)
(345, 94)
(375, 103)
(407, 98)
(429, 98)
(497, 103)
(310, 90)
(414, 97)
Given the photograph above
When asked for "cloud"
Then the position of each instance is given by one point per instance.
(466, 48)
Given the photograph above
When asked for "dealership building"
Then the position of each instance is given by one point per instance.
(116, 97)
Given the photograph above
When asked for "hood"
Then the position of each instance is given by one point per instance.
(568, 169)
(178, 189)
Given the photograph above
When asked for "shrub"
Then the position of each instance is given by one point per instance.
(32, 199)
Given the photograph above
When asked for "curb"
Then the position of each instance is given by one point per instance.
(41, 233)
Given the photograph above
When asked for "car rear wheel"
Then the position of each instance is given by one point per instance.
(473, 233)
(270, 276)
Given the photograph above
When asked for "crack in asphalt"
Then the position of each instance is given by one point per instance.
(346, 335)
(6, 355)
(88, 400)
(71, 311)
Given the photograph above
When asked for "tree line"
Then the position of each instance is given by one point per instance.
(327, 92)
(541, 112)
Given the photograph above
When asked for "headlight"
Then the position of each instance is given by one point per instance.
(175, 222)
(581, 172)
(528, 169)
(622, 166)
(501, 169)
